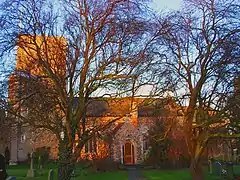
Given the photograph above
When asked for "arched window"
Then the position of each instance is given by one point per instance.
(145, 144)
(23, 138)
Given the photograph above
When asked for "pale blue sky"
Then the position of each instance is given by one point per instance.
(166, 4)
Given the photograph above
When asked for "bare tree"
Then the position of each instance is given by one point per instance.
(64, 59)
(201, 50)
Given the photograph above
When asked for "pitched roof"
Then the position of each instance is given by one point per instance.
(121, 106)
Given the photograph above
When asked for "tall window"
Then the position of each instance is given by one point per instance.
(90, 142)
(145, 144)
(91, 146)
(23, 138)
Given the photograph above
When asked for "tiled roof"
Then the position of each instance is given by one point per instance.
(122, 106)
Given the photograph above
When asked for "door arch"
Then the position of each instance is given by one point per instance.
(128, 153)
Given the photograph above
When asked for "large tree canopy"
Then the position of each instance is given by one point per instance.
(68, 52)
(201, 49)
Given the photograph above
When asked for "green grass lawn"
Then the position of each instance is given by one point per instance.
(183, 174)
(166, 174)
(20, 171)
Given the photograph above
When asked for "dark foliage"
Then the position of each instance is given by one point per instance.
(158, 153)
(106, 164)
(41, 155)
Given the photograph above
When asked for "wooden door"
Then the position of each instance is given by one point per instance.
(128, 153)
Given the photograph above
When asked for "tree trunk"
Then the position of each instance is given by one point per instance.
(196, 170)
(66, 164)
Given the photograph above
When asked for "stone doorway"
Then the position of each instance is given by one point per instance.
(128, 153)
